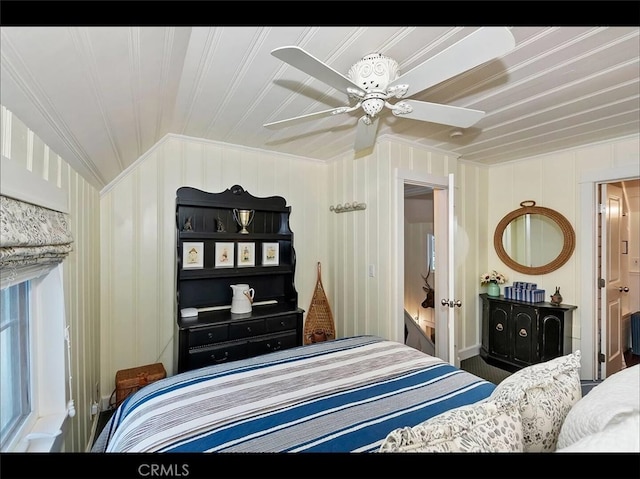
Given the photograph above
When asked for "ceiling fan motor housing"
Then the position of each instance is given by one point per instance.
(373, 73)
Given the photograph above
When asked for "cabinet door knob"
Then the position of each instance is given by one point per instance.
(499, 327)
(625, 289)
(523, 333)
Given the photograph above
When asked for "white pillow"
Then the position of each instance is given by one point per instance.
(622, 434)
(481, 427)
(616, 396)
(544, 393)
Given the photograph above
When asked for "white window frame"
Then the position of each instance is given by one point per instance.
(43, 430)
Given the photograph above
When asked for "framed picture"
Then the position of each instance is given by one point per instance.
(192, 255)
(246, 254)
(270, 254)
(224, 255)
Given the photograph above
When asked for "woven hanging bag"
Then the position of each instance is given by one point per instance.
(319, 324)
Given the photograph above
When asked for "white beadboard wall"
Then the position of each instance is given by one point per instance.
(363, 304)
(80, 268)
(552, 181)
(138, 237)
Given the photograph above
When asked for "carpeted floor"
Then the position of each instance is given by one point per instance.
(476, 365)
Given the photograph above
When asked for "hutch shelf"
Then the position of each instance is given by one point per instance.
(212, 255)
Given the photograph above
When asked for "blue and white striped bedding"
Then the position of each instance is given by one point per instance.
(343, 395)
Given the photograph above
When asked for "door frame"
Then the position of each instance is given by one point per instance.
(438, 184)
(588, 243)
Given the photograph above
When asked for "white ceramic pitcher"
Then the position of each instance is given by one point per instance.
(242, 298)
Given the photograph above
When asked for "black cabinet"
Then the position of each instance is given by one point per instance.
(211, 255)
(516, 334)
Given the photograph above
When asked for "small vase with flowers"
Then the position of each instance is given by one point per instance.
(493, 279)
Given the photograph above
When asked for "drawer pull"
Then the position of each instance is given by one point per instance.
(499, 327)
(248, 329)
(226, 356)
(282, 323)
(523, 333)
(210, 335)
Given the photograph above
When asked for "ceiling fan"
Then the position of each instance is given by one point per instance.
(375, 79)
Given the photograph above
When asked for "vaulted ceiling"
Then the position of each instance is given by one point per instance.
(102, 96)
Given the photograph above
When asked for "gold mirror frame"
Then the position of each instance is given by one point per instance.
(529, 207)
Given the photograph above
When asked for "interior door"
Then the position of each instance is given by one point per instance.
(446, 314)
(611, 309)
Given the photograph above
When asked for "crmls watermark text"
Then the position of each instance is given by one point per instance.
(163, 470)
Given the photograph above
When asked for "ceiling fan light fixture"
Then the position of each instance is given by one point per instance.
(455, 133)
(374, 72)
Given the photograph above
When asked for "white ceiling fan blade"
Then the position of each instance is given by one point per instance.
(481, 46)
(304, 61)
(302, 118)
(365, 134)
(445, 114)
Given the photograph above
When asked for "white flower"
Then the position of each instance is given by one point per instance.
(493, 277)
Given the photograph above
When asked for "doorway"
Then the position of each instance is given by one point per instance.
(444, 316)
(618, 255)
(419, 268)
(591, 331)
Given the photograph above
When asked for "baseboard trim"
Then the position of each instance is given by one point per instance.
(468, 352)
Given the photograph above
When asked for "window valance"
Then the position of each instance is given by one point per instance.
(31, 235)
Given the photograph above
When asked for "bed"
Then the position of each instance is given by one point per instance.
(344, 395)
(366, 394)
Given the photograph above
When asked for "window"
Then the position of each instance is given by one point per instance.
(33, 404)
(33, 373)
(15, 401)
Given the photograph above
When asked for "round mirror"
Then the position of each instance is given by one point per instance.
(533, 239)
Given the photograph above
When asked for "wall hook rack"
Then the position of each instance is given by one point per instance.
(355, 206)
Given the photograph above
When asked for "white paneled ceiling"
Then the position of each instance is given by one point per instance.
(102, 96)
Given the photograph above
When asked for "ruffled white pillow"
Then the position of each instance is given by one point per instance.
(544, 393)
(482, 427)
(622, 434)
(616, 397)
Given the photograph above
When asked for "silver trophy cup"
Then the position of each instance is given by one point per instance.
(243, 218)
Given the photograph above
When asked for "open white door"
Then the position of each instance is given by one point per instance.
(610, 305)
(444, 227)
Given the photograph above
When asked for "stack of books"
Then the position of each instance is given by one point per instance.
(523, 291)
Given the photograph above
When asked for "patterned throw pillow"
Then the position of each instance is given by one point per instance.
(545, 392)
(481, 427)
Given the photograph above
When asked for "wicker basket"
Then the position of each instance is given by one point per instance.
(129, 381)
(319, 325)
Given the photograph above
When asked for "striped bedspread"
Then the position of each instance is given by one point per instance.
(344, 395)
